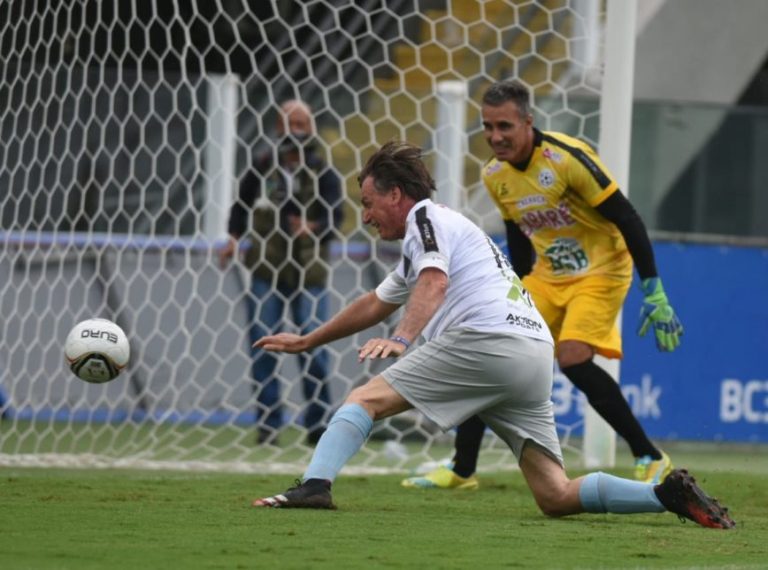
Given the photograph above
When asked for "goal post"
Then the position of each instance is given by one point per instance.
(222, 100)
(615, 137)
(451, 142)
(125, 134)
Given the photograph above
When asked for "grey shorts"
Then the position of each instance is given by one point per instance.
(505, 379)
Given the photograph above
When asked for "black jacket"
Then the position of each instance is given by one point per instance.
(268, 195)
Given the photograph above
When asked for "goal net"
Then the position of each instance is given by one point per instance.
(126, 130)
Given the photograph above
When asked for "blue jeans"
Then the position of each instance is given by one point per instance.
(309, 309)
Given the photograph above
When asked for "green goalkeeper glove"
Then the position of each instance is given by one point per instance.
(657, 311)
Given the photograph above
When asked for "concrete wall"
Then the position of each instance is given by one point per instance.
(694, 52)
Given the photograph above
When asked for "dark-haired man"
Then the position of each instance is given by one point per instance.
(487, 352)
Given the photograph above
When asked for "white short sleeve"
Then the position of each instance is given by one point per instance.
(393, 290)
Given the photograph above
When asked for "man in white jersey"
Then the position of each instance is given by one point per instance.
(487, 351)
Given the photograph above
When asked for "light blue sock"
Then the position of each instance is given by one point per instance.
(603, 493)
(347, 431)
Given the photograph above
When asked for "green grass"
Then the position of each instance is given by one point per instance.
(81, 519)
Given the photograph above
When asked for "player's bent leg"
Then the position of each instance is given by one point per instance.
(679, 494)
(605, 396)
(555, 494)
(603, 493)
(469, 439)
(347, 431)
(378, 398)
(351, 425)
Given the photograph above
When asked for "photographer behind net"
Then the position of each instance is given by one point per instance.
(289, 206)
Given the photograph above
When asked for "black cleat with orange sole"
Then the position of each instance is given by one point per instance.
(680, 494)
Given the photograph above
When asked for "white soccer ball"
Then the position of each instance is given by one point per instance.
(96, 350)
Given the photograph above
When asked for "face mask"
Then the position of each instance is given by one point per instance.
(294, 141)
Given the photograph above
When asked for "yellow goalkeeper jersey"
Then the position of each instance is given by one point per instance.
(552, 199)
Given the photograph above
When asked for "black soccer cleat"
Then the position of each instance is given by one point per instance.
(311, 494)
(680, 494)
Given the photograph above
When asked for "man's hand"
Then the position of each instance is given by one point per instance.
(227, 251)
(283, 342)
(381, 348)
(657, 311)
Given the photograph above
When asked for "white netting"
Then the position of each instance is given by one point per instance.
(125, 129)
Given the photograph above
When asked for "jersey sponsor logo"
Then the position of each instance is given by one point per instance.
(566, 257)
(426, 230)
(559, 217)
(546, 178)
(554, 156)
(532, 200)
(491, 168)
(524, 322)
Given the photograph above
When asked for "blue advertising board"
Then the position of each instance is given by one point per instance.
(714, 387)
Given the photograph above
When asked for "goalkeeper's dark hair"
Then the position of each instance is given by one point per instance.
(400, 164)
(509, 90)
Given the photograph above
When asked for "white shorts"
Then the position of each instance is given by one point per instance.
(506, 379)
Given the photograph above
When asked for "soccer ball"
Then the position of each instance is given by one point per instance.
(96, 350)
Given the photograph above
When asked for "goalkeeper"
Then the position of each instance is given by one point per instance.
(560, 203)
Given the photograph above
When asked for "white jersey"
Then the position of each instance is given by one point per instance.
(484, 294)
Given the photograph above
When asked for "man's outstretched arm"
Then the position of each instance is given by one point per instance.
(366, 311)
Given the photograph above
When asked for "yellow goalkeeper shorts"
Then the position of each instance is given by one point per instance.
(583, 310)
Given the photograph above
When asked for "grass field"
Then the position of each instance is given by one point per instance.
(79, 519)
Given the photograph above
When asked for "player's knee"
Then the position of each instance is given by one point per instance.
(378, 398)
(557, 497)
(361, 397)
(370, 400)
(550, 507)
(554, 504)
